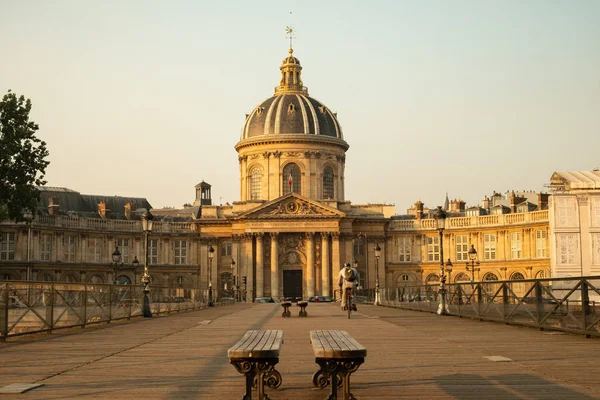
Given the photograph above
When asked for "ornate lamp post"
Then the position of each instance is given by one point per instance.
(116, 262)
(377, 255)
(474, 265)
(211, 253)
(449, 270)
(134, 265)
(440, 220)
(233, 274)
(147, 219)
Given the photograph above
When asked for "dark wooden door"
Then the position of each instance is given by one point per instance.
(292, 283)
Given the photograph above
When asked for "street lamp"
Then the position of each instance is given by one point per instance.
(377, 255)
(147, 219)
(234, 286)
(449, 270)
(116, 262)
(134, 265)
(440, 221)
(474, 265)
(211, 253)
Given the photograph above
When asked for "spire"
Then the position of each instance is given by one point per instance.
(291, 80)
(446, 203)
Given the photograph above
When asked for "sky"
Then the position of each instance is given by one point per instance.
(148, 98)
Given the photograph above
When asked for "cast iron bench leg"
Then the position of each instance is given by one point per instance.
(342, 367)
(260, 368)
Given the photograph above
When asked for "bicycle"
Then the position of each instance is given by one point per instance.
(349, 295)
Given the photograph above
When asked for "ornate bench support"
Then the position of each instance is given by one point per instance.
(286, 309)
(261, 370)
(331, 369)
(302, 305)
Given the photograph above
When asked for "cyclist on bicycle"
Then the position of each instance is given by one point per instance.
(348, 279)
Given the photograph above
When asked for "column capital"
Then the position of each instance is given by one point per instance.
(273, 235)
(259, 236)
(335, 235)
(325, 235)
(309, 235)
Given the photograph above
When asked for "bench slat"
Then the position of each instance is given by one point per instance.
(257, 344)
(336, 344)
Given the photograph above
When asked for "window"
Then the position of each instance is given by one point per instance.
(69, 248)
(328, 183)
(540, 244)
(490, 277)
(7, 246)
(404, 249)
(94, 250)
(517, 276)
(433, 249)
(180, 252)
(565, 212)
(567, 245)
(433, 278)
(596, 248)
(291, 179)
(516, 245)
(462, 277)
(226, 249)
(255, 184)
(124, 249)
(462, 248)
(45, 246)
(595, 214)
(403, 280)
(359, 247)
(489, 246)
(153, 251)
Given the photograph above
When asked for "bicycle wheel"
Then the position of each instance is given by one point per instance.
(349, 305)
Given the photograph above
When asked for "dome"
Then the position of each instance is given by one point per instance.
(291, 111)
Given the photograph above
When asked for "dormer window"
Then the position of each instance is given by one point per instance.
(291, 108)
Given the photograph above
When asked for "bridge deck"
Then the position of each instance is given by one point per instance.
(411, 355)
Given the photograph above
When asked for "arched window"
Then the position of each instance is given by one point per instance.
(433, 278)
(541, 275)
(291, 179)
(490, 277)
(255, 184)
(328, 183)
(403, 280)
(517, 276)
(123, 280)
(462, 277)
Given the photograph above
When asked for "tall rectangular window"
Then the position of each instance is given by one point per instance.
(565, 212)
(568, 248)
(153, 251)
(180, 252)
(404, 245)
(540, 244)
(462, 248)
(94, 250)
(433, 248)
(595, 212)
(124, 249)
(45, 246)
(255, 184)
(489, 246)
(359, 247)
(7, 246)
(69, 248)
(516, 245)
(226, 249)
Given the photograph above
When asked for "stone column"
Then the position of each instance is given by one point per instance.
(310, 265)
(259, 266)
(274, 266)
(325, 267)
(249, 268)
(335, 254)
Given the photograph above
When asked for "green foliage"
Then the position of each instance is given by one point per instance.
(22, 159)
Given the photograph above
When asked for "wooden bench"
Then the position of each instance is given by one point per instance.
(286, 309)
(338, 356)
(302, 305)
(255, 356)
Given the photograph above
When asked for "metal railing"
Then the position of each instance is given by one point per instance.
(34, 307)
(561, 304)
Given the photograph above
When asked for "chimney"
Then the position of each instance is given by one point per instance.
(53, 206)
(542, 201)
(461, 205)
(485, 203)
(103, 211)
(419, 208)
(513, 206)
(127, 211)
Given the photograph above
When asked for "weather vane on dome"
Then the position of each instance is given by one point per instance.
(291, 33)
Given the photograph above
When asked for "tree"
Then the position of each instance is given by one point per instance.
(22, 159)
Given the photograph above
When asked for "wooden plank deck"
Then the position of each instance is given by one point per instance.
(411, 355)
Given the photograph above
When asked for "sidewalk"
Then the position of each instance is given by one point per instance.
(411, 355)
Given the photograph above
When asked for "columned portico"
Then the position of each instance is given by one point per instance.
(274, 266)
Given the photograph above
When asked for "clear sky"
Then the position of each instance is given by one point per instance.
(148, 98)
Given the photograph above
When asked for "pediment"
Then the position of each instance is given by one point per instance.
(292, 206)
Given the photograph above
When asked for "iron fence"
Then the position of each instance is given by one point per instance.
(562, 304)
(33, 307)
